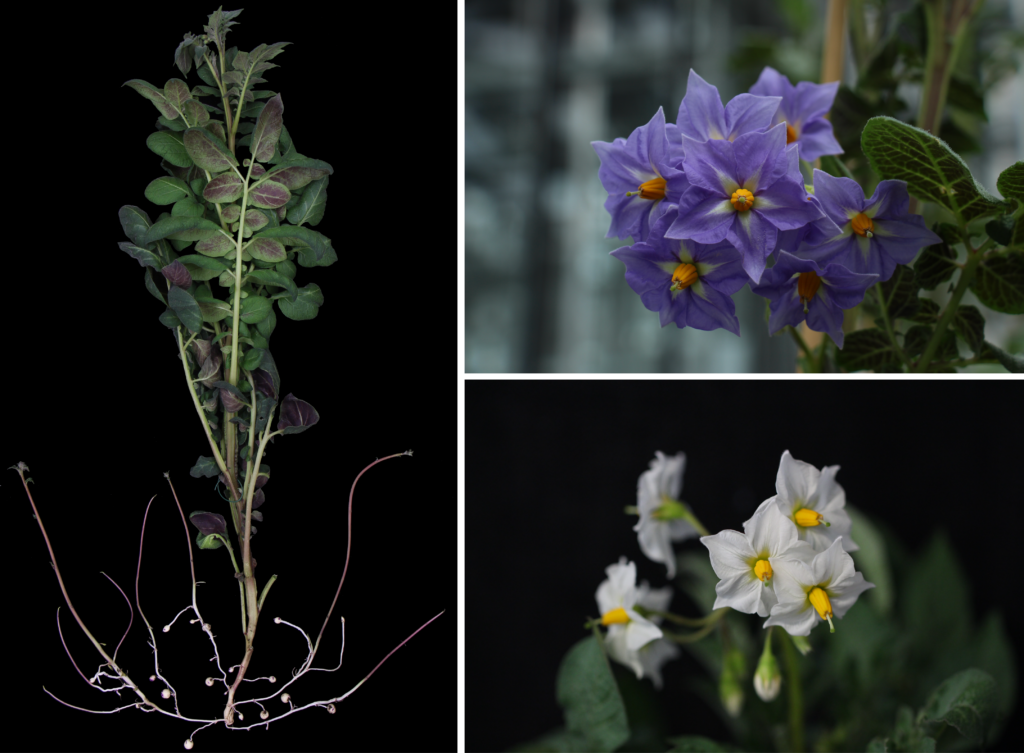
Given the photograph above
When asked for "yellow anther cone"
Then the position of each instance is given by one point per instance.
(763, 570)
(615, 616)
(807, 517)
(821, 604)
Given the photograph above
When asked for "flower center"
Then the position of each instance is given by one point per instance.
(790, 134)
(862, 225)
(763, 570)
(684, 276)
(618, 616)
(821, 604)
(654, 189)
(742, 200)
(807, 517)
(807, 286)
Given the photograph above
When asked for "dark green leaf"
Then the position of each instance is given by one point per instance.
(1012, 363)
(270, 277)
(255, 356)
(214, 310)
(311, 204)
(181, 228)
(255, 309)
(866, 349)
(169, 319)
(154, 95)
(932, 170)
(153, 289)
(196, 113)
(999, 282)
(588, 695)
(935, 265)
(163, 191)
(970, 325)
(698, 744)
(899, 293)
(186, 308)
(143, 256)
(170, 146)
(204, 262)
(187, 207)
(1000, 229)
(1011, 182)
(964, 701)
(935, 600)
(208, 151)
(269, 195)
(306, 304)
(135, 223)
(964, 95)
(205, 467)
(835, 167)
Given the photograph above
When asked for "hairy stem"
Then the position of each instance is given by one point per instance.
(966, 277)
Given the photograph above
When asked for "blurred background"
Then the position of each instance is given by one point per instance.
(544, 78)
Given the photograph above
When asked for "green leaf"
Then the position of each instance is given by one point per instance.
(167, 190)
(916, 340)
(169, 320)
(964, 701)
(209, 541)
(927, 312)
(208, 151)
(867, 349)
(1001, 229)
(970, 325)
(306, 304)
(932, 170)
(170, 146)
(270, 277)
(269, 195)
(311, 204)
(697, 744)
(215, 310)
(999, 282)
(294, 235)
(835, 167)
(255, 309)
(588, 695)
(187, 207)
(217, 245)
(135, 223)
(1011, 182)
(152, 288)
(176, 93)
(205, 468)
(265, 249)
(185, 307)
(935, 600)
(899, 293)
(935, 265)
(255, 355)
(872, 560)
(144, 257)
(268, 130)
(223, 189)
(196, 113)
(154, 95)
(204, 262)
(963, 94)
(1012, 363)
(181, 228)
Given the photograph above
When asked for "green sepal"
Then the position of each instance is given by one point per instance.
(932, 170)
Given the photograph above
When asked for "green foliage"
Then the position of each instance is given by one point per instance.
(999, 282)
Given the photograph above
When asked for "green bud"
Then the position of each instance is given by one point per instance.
(730, 688)
(767, 678)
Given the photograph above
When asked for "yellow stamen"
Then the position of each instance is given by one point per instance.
(790, 134)
(616, 616)
(821, 604)
(807, 517)
(763, 570)
(653, 189)
(742, 200)
(862, 225)
(807, 286)
(684, 276)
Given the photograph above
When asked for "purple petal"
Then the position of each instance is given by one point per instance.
(755, 239)
(704, 217)
(817, 139)
(701, 115)
(711, 165)
(785, 205)
(839, 197)
(755, 157)
(814, 100)
(711, 309)
(746, 113)
(823, 315)
(890, 200)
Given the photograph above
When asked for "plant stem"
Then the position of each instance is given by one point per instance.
(966, 277)
(796, 703)
(712, 620)
(888, 324)
(679, 620)
(832, 49)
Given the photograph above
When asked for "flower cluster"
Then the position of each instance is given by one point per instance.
(790, 564)
(715, 199)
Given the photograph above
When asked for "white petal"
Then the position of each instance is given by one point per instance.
(794, 620)
(741, 592)
(640, 631)
(768, 601)
(657, 599)
(828, 493)
(615, 641)
(796, 479)
(771, 531)
(851, 589)
(680, 530)
(730, 552)
(760, 508)
(653, 655)
(832, 565)
(656, 544)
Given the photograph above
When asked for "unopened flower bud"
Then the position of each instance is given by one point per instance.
(264, 714)
(188, 745)
(729, 688)
(330, 708)
(285, 697)
(209, 682)
(767, 678)
(165, 693)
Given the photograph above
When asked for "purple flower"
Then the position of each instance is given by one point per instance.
(641, 176)
(874, 234)
(744, 192)
(802, 110)
(799, 289)
(702, 117)
(687, 283)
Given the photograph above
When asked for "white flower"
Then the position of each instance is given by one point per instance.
(745, 562)
(628, 632)
(813, 501)
(657, 499)
(819, 589)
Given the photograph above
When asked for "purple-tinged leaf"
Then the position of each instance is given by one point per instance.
(223, 189)
(296, 415)
(263, 383)
(177, 274)
(208, 522)
(176, 92)
(281, 213)
(135, 223)
(217, 129)
(183, 56)
(154, 95)
(255, 220)
(144, 257)
(241, 61)
(231, 212)
(209, 373)
(267, 131)
(258, 516)
(266, 249)
(207, 150)
(215, 246)
(181, 229)
(299, 236)
(196, 113)
(258, 498)
(230, 400)
(258, 170)
(185, 307)
(269, 195)
(296, 177)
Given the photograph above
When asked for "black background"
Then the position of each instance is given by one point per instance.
(550, 466)
(98, 409)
